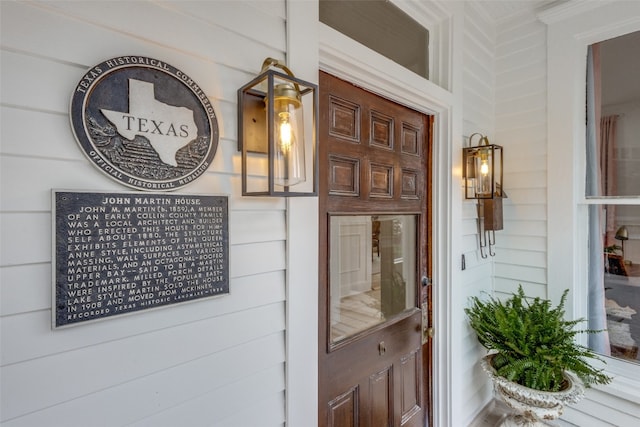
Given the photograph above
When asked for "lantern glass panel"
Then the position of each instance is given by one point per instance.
(483, 172)
(288, 141)
(277, 130)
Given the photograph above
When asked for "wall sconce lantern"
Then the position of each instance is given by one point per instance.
(482, 177)
(271, 134)
(482, 169)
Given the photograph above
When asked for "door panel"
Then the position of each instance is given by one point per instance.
(375, 210)
(343, 410)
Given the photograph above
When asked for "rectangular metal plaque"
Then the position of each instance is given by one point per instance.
(118, 253)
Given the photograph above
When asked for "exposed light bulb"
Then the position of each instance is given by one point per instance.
(285, 132)
(484, 182)
(484, 168)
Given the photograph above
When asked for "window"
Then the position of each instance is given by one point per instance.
(612, 190)
(569, 34)
(382, 27)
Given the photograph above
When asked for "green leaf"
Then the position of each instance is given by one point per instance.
(535, 343)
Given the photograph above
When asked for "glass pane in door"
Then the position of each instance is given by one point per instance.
(372, 271)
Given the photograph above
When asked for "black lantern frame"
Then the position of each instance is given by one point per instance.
(482, 178)
(257, 132)
(473, 159)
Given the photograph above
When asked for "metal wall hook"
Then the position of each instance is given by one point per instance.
(486, 238)
(491, 237)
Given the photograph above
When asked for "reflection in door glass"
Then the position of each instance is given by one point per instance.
(372, 263)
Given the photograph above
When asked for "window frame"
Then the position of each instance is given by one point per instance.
(571, 29)
(378, 16)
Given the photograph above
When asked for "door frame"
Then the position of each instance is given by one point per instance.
(348, 60)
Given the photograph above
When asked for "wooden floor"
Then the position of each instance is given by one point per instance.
(360, 311)
(356, 313)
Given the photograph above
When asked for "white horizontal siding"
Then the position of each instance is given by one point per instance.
(478, 72)
(259, 413)
(517, 272)
(28, 335)
(521, 129)
(219, 375)
(529, 179)
(478, 89)
(603, 407)
(531, 258)
(527, 196)
(217, 361)
(121, 360)
(521, 87)
(237, 404)
(530, 243)
(505, 287)
(32, 141)
(522, 101)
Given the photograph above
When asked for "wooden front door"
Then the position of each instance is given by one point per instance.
(375, 258)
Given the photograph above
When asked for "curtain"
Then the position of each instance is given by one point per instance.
(608, 170)
(597, 318)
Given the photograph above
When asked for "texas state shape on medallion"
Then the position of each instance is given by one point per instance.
(167, 128)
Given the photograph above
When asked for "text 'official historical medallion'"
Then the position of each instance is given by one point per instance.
(144, 123)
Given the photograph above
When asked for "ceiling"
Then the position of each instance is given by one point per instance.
(620, 56)
(501, 9)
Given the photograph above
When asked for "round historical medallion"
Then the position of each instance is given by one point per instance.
(144, 123)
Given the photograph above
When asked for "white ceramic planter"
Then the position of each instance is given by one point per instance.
(533, 406)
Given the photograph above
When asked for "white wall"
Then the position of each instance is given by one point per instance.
(521, 99)
(211, 362)
(478, 106)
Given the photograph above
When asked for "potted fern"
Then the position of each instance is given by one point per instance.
(534, 361)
